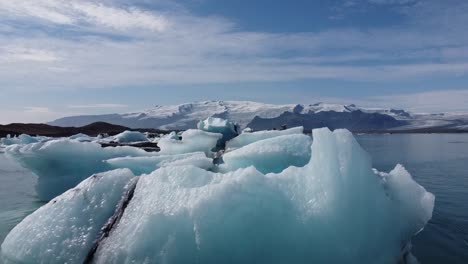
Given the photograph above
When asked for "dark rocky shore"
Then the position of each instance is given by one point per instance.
(92, 130)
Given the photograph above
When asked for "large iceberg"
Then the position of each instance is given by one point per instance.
(333, 209)
(62, 163)
(65, 229)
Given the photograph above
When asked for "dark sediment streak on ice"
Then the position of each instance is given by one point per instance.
(113, 220)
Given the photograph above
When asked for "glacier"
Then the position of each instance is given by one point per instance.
(272, 197)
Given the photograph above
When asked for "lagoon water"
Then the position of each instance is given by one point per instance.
(439, 162)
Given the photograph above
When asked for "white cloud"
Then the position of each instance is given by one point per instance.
(36, 109)
(82, 13)
(91, 106)
(96, 44)
(12, 54)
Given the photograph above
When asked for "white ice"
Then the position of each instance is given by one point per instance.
(62, 163)
(65, 229)
(247, 138)
(140, 165)
(334, 209)
(192, 141)
(270, 155)
(130, 137)
(21, 139)
(225, 127)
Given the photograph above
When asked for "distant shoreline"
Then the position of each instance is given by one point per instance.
(97, 128)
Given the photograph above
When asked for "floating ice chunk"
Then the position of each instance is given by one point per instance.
(248, 138)
(333, 210)
(270, 155)
(140, 165)
(21, 139)
(62, 163)
(130, 137)
(227, 128)
(247, 130)
(65, 229)
(192, 141)
(81, 137)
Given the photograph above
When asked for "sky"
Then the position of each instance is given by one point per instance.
(72, 57)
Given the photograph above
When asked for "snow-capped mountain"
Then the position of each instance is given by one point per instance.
(268, 116)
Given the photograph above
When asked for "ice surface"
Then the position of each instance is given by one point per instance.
(140, 165)
(270, 155)
(192, 141)
(62, 163)
(21, 139)
(81, 137)
(64, 230)
(335, 209)
(227, 128)
(247, 138)
(130, 137)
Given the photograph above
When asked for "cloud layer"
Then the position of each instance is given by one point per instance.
(92, 44)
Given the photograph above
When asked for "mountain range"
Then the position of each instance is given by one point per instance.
(260, 116)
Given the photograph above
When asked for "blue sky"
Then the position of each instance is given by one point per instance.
(66, 57)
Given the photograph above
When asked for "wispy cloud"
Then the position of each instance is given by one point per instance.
(88, 106)
(101, 44)
(82, 13)
(36, 109)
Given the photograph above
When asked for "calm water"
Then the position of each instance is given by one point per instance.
(439, 162)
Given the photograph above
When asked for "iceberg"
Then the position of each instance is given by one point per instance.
(335, 209)
(130, 137)
(81, 137)
(144, 165)
(193, 140)
(62, 163)
(21, 139)
(264, 206)
(270, 155)
(225, 127)
(250, 137)
(65, 229)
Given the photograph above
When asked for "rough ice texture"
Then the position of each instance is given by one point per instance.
(225, 127)
(247, 138)
(64, 230)
(270, 155)
(192, 141)
(130, 137)
(140, 165)
(333, 210)
(81, 137)
(62, 163)
(21, 139)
